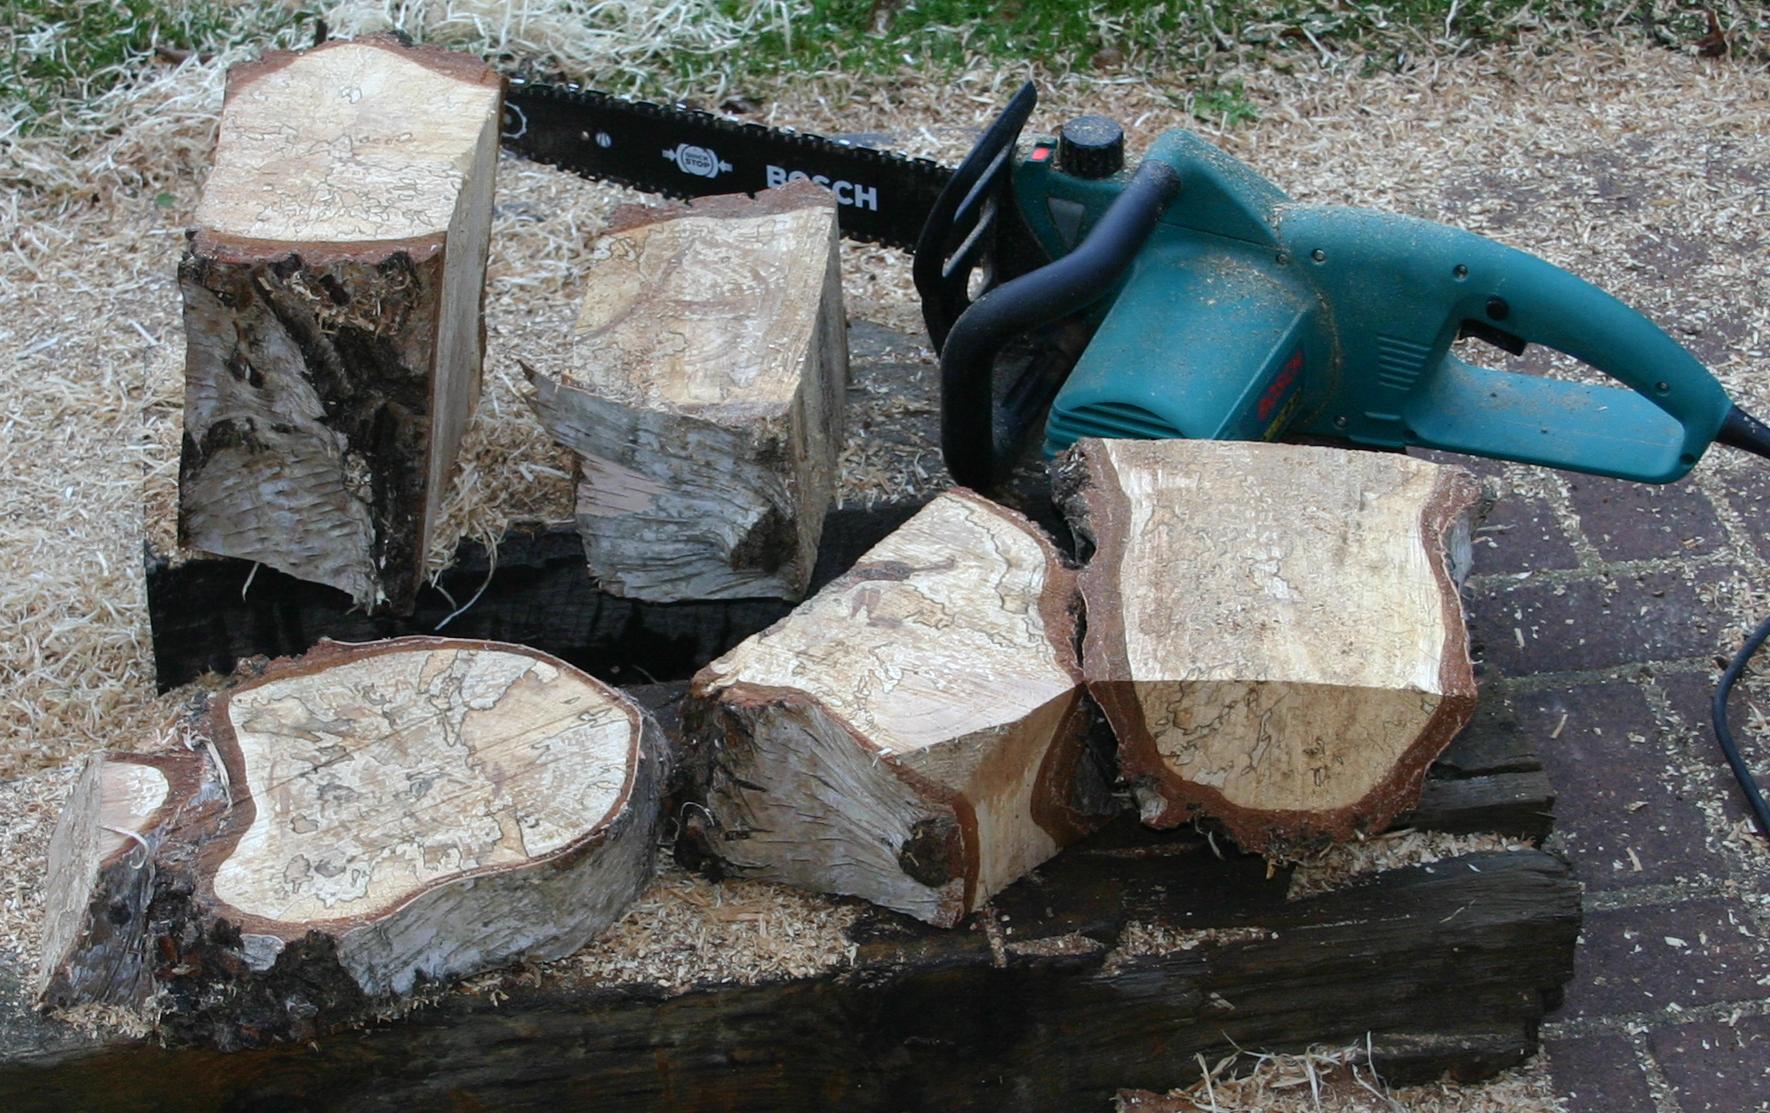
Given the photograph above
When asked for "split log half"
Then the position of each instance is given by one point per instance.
(704, 396)
(333, 296)
(915, 733)
(1275, 632)
(389, 815)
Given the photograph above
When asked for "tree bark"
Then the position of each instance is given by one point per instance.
(377, 817)
(1275, 632)
(914, 734)
(333, 297)
(704, 396)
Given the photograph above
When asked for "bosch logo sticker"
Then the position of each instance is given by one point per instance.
(1279, 400)
(847, 193)
(699, 161)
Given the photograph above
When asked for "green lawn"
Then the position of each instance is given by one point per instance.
(53, 50)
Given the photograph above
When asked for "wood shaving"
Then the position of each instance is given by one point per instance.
(1142, 938)
(1341, 865)
(685, 931)
(1339, 1080)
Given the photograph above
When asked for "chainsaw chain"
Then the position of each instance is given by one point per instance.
(685, 152)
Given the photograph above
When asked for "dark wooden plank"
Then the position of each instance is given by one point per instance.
(1492, 743)
(205, 617)
(1518, 804)
(941, 1019)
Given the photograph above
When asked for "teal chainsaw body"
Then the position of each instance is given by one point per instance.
(1232, 312)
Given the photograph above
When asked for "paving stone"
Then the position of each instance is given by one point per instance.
(1644, 521)
(1714, 1066)
(1745, 484)
(1647, 959)
(1522, 534)
(1689, 695)
(1619, 818)
(1528, 627)
(1598, 1074)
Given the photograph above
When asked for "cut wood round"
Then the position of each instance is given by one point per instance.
(332, 309)
(703, 394)
(1275, 632)
(914, 734)
(393, 814)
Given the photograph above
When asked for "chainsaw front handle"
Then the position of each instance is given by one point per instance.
(981, 434)
(1423, 284)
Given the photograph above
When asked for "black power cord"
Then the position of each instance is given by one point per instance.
(1743, 431)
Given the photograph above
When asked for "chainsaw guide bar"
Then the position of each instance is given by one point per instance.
(683, 152)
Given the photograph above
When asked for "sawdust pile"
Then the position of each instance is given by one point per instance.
(685, 931)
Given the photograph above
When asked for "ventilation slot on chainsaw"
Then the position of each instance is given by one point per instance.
(1107, 419)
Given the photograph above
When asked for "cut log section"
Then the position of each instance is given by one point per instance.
(391, 815)
(704, 396)
(100, 880)
(332, 308)
(914, 734)
(1274, 632)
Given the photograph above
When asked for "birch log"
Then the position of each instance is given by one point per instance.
(333, 297)
(1274, 632)
(704, 396)
(914, 734)
(386, 816)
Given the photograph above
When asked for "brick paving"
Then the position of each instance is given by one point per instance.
(1599, 609)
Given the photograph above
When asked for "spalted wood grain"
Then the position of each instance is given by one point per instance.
(914, 734)
(332, 291)
(703, 394)
(389, 815)
(1274, 632)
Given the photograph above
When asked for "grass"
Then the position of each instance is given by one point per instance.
(1065, 36)
(54, 50)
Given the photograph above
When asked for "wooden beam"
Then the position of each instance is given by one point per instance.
(332, 307)
(703, 394)
(1114, 943)
(1275, 632)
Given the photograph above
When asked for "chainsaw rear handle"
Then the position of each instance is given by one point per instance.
(1427, 283)
(980, 436)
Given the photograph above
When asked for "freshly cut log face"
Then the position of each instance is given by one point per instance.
(703, 395)
(394, 814)
(333, 292)
(1274, 632)
(915, 733)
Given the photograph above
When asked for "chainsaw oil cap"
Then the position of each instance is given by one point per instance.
(1091, 147)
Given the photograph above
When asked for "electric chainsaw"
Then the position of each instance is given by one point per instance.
(1189, 297)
